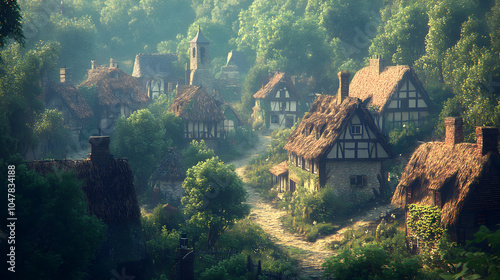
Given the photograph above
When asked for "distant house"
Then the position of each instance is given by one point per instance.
(64, 97)
(168, 177)
(336, 145)
(202, 116)
(119, 94)
(277, 103)
(462, 179)
(394, 93)
(155, 73)
(109, 190)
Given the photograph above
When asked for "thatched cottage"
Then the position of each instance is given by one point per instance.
(200, 112)
(277, 102)
(155, 73)
(336, 145)
(395, 94)
(108, 186)
(168, 177)
(119, 94)
(462, 179)
(64, 97)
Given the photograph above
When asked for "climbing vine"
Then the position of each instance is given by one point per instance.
(425, 223)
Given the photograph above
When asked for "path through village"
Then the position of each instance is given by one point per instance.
(312, 254)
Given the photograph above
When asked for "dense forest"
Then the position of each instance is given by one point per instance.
(453, 46)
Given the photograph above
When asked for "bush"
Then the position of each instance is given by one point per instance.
(312, 234)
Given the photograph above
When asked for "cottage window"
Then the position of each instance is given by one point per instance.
(356, 129)
(274, 119)
(292, 158)
(308, 165)
(299, 162)
(358, 181)
(315, 168)
(283, 106)
(405, 103)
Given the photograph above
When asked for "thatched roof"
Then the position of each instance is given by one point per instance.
(195, 104)
(108, 186)
(377, 88)
(115, 86)
(435, 165)
(70, 96)
(323, 124)
(279, 169)
(170, 168)
(277, 81)
(154, 64)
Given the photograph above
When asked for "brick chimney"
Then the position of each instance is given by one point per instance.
(99, 148)
(343, 91)
(112, 63)
(486, 140)
(453, 130)
(377, 63)
(65, 75)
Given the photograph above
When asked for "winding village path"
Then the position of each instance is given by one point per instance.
(312, 254)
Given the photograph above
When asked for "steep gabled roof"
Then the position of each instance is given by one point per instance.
(70, 96)
(154, 64)
(377, 88)
(277, 81)
(435, 165)
(115, 86)
(195, 104)
(323, 124)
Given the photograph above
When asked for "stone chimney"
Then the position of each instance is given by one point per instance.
(343, 91)
(92, 64)
(65, 75)
(99, 148)
(486, 140)
(377, 63)
(112, 63)
(453, 130)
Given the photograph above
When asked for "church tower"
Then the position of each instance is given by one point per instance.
(200, 72)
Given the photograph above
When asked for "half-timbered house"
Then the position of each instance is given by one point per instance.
(277, 102)
(201, 115)
(461, 179)
(118, 93)
(336, 145)
(394, 94)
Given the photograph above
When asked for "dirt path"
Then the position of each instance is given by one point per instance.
(312, 254)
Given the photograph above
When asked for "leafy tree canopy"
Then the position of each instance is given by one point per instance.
(214, 198)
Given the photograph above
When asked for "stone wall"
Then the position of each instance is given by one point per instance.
(338, 178)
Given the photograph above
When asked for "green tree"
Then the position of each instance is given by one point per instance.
(214, 198)
(53, 134)
(10, 22)
(195, 153)
(19, 94)
(141, 139)
(55, 238)
(402, 39)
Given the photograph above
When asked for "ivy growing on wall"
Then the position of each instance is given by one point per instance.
(425, 223)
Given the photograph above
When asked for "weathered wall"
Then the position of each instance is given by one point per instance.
(338, 178)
